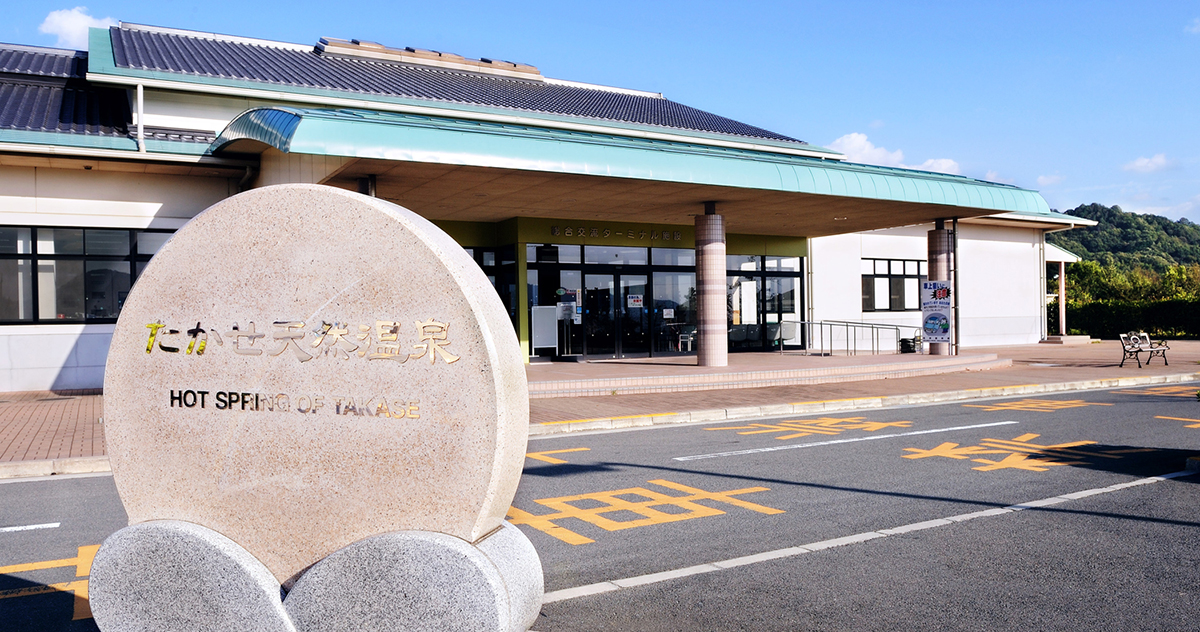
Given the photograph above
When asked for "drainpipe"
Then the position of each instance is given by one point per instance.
(141, 133)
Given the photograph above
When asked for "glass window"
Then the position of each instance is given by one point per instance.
(896, 267)
(868, 266)
(617, 255)
(150, 243)
(113, 243)
(16, 289)
(489, 258)
(883, 293)
(742, 263)
(107, 286)
(54, 274)
(60, 289)
(911, 268)
(783, 264)
(14, 241)
(912, 293)
(569, 254)
(924, 268)
(881, 267)
(673, 256)
(60, 241)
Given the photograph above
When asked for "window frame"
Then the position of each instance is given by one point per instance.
(870, 283)
(135, 260)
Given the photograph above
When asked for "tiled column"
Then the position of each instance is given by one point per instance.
(939, 270)
(712, 347)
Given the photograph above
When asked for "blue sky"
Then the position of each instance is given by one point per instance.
(1083, 101)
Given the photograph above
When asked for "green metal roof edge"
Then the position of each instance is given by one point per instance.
(67, 139)
(101, 61)
(394, 136)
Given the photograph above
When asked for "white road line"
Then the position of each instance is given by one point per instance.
(642, 580)
(796, 446)
(31, 527)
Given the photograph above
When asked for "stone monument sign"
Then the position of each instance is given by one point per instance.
(312, 388)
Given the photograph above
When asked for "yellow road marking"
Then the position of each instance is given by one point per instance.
(618, 501)
(1192, 425)
(1022, 454)
(1166, 391)
(83, 567)
(82, 563)
(543, 456)
(824, 425)
(1036, 405)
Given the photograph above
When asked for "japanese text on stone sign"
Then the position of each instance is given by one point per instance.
(385, 340)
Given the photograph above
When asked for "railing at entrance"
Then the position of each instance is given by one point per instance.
(823, 336)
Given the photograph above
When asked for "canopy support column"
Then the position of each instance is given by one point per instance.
(712, 347)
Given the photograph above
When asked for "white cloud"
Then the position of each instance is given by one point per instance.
(1194, 27)
(858, 149)
(943, 165)
(1049, 181)
(71, 26)
(1189, 209)
(994, 176)
(1149, 165)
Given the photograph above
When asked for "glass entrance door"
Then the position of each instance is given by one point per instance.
(600, 315)
(616, 315)
(634, 323)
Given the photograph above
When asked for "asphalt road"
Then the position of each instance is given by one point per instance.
(894, 519)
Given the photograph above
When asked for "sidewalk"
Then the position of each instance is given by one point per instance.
(44, 433)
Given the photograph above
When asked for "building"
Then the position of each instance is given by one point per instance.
(587, 206)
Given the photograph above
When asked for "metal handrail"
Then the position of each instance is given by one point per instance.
(853, 331)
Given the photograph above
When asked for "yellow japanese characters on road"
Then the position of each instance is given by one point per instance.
(1195, 422)
(1164, 391)
(636, 500)
(794, 429)
(1036, 405)
(1021, 453)
(545, 456)
(83, 567)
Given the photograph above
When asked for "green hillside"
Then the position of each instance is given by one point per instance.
(1130, 240)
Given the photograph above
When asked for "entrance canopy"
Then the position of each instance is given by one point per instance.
(468, 170)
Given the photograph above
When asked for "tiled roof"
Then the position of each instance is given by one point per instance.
(289, 66)
(42, 62)
(41, 89)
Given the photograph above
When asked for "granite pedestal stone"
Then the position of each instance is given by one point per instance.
(300, 375)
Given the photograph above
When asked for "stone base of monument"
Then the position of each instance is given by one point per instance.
(176, 576)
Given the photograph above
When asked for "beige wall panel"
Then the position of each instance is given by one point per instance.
(18, 188)
(277, 167)
(194, 111)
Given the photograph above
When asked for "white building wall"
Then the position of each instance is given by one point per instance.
(1000, 285)
(56, 357)
(1000, 281)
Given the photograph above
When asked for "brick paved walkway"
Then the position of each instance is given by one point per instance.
(42, 425)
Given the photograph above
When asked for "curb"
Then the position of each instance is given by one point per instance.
(717, 415)
(51, 467)
(760, 379)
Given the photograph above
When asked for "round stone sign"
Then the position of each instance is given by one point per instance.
(301, 367)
